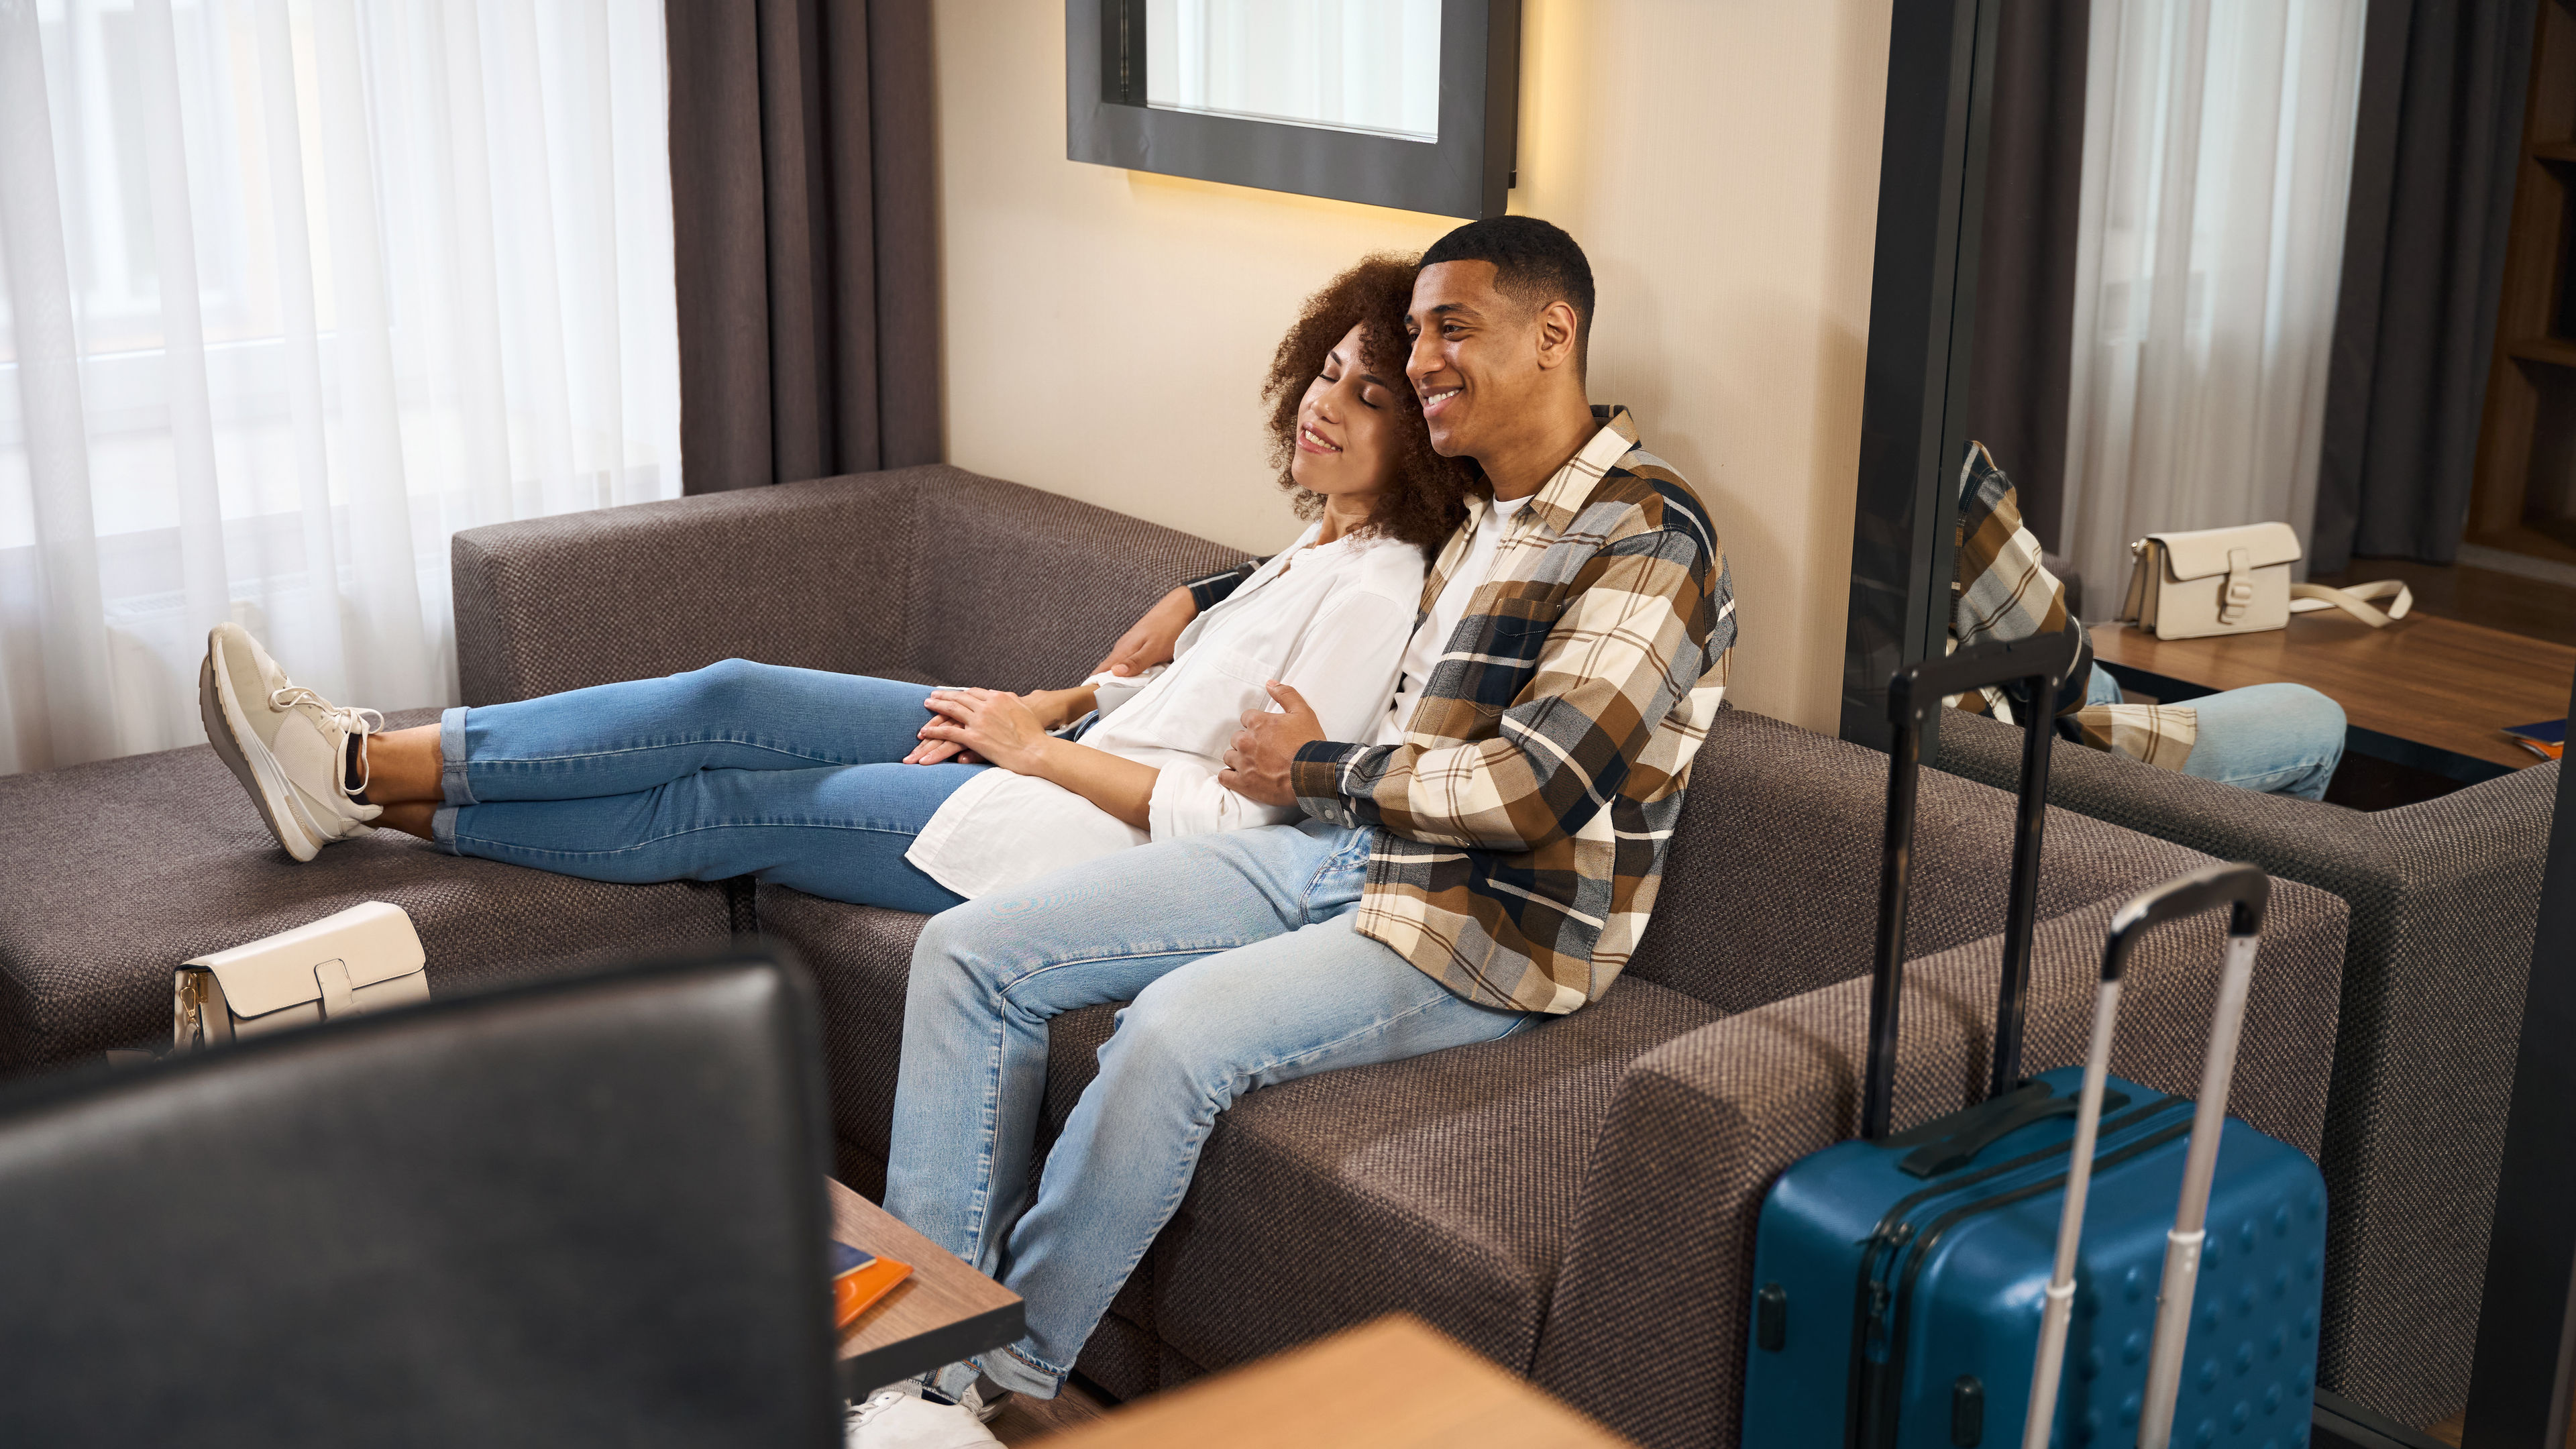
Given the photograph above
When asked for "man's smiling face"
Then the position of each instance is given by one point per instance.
(1474, 359)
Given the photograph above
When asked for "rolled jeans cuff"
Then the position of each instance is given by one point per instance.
(452, 784)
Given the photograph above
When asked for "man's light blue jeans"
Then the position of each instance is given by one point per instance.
(2280, 739)
(1237, 955)
(792, 775)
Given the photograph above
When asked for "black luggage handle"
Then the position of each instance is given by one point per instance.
(1913, 693)
(2244, 889)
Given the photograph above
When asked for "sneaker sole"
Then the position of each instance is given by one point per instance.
(226, 730)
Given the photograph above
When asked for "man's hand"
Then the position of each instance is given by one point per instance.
(1150, 641)
(1256, 765)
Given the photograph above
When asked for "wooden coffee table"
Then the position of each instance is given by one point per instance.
(944, 1312)
(1394, 1382)
(2433, 694)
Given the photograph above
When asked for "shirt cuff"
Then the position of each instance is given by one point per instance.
(1316, 776)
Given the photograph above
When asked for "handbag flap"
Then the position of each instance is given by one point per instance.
(2203, 552)
(374, 941)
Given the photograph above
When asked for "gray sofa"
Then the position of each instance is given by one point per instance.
(2444, 897)
(1576, 1202)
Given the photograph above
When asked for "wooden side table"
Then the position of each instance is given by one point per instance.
(2430, 693)
(944, 1312)
(1388, 1383)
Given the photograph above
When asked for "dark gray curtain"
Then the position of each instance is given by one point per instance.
(802, 196)
(2434, 159)
(2026, 254)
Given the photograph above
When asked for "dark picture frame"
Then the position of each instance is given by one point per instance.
(1467, 173)
(1940, 82)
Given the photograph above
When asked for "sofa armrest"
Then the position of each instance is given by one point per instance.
(814, 574)
(1645, 1329)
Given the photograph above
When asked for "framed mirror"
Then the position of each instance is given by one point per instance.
(1413, 104)
(2304, 267)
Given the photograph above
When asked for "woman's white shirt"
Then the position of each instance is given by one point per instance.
(1329, 621)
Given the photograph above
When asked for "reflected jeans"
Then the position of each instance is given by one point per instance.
(2280, 739)
(1236, 955)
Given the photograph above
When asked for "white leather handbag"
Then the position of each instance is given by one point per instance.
(2237, 581)
(366, 958)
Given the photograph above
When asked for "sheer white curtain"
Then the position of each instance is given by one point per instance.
(295, 289)
(2217, 156)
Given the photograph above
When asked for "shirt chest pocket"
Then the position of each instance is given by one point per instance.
(1200, 702)
(1508, 638)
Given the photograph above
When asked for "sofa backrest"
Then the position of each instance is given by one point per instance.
(1771, 884)
(1016, 589)
(812, 574)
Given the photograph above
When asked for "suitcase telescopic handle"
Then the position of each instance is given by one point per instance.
(2244, 890)
(1913, 693)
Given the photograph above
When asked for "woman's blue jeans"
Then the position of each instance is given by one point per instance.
(2280, 739)
(791, 775)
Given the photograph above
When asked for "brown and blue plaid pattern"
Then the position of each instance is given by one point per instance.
(1523, 821)
(2004, 591)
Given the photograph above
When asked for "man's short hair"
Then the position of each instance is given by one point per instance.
(1535, 263)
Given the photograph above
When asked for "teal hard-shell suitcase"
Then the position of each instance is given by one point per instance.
(1921, 1289)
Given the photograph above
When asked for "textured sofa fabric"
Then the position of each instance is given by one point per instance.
(2444, 896)
(929, 573)
(120, 870)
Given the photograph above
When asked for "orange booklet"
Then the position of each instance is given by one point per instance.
(859, 1279)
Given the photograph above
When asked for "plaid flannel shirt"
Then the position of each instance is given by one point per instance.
(1522, 823)
(2004, 591)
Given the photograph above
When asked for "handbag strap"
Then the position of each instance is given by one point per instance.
(2309, 598)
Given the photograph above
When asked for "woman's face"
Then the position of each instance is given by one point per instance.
(1346, 428)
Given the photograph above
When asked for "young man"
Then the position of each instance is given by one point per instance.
(1487, 860)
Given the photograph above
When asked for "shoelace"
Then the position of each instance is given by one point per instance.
(349, 719)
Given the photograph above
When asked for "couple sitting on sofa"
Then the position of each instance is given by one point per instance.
(1368, 810)
(1365, 811)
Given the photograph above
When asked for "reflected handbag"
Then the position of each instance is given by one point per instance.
(2237, 581)
(366, 958)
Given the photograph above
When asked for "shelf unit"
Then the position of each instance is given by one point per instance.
(2524, 495)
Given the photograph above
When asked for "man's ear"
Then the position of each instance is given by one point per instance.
(1555, 328)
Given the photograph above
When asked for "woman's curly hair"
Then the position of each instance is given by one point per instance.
(1428, 495)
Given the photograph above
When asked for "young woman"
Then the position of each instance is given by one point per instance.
(887, 793)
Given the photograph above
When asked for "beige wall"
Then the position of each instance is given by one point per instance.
(1105, 331)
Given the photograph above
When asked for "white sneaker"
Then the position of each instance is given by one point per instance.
(900, 1418)
(287, 745)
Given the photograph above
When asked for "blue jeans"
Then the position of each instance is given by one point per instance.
(2280, 739)
(1237, 957)
(792, 775)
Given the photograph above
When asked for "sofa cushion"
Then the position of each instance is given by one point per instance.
(119, 870)
(1444, 1186)
(1018, 589)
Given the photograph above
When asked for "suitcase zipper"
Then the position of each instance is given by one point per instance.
(1887, 1243)
(1883, 1428)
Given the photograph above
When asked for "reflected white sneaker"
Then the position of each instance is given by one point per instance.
(900, 1418)
(288, 746)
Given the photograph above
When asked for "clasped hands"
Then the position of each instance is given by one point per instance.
(978, 726)
(990, 726)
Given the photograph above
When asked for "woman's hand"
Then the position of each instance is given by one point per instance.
(1151, 639)
(996, 726)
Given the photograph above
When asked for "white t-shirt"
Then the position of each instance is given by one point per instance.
(1328, 621)
(1422, 653)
